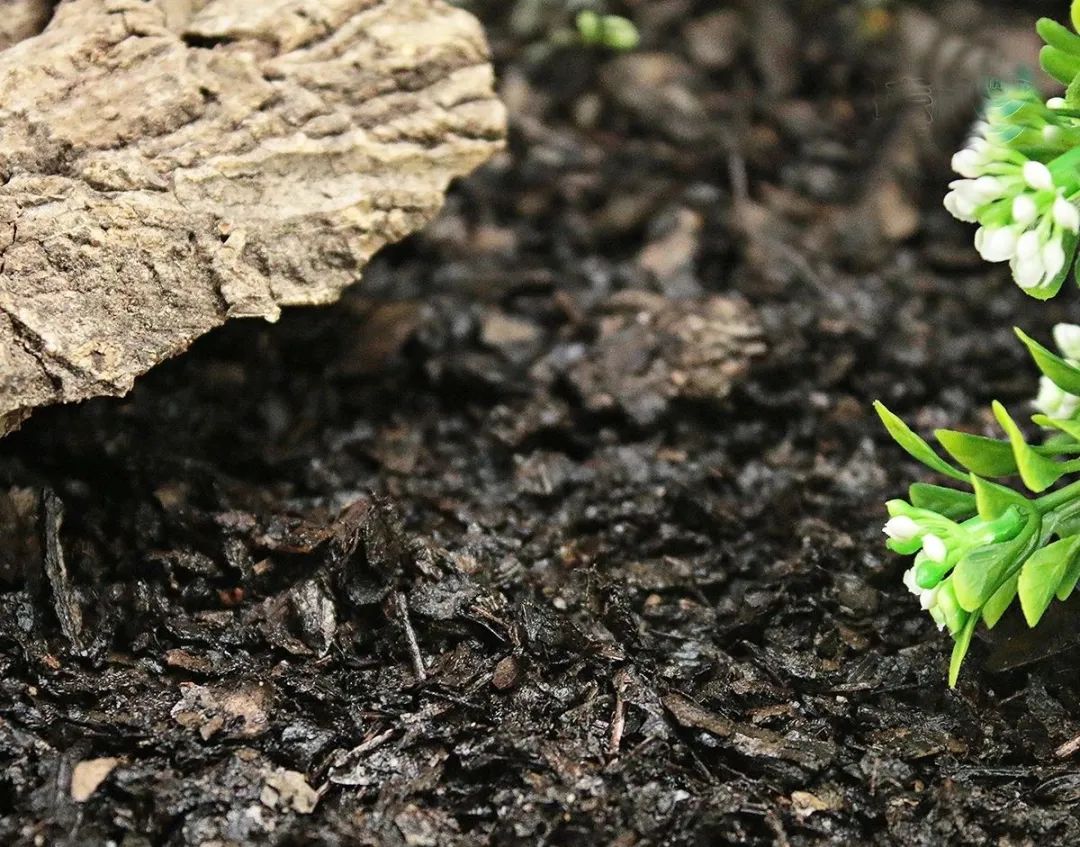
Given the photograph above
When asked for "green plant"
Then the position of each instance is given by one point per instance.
(610, 31)
(980, 547)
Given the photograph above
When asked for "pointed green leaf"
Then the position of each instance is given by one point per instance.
(1069, 580)
(980, 573)
(1068, 426)
(1061, 373)
(981, 455)
(1060, 65)
(999, 601)
(992, 500)
(914, 445)
(1037, 472)
(960, 649)
(1042, 574)
(985, 569)
(1072, 94)
(1074, 14)
(947, 502)
(1058, 36)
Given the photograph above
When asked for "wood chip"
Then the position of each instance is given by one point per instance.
(88, 774)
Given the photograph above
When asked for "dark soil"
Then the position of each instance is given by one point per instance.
(563, 528)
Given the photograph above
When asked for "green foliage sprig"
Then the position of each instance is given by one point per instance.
(979, 548)
(612, 32)
(1009, 527)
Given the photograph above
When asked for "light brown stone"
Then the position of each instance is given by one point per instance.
(166, 165)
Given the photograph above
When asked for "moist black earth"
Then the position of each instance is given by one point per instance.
(563, 527)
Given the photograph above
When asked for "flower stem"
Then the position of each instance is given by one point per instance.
(1057, 499)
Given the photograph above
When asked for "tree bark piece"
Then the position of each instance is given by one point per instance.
(169, 164)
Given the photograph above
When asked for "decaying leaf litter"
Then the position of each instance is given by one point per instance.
(648, 602)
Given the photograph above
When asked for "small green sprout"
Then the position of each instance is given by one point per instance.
(609, 31)
(978, 550)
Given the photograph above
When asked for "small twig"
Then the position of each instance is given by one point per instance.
(1068, 748)
(65, 601)
(618, 717)
(410, 637)
(373, 742)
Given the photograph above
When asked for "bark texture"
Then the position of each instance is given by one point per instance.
(169, 164)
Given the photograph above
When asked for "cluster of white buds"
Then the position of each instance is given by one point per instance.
(939, 544)
(1052, 400)
(1026, 217)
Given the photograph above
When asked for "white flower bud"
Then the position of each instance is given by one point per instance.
(960, 208)
(987, 188)
(1029, 272)
(1028, 245)
(938, 615)
(901, 528)
(910, 583)
(1066, 215)
(998, 244)
(1055, 103)
(1067, 339)
(1024, 210)
(934, 548)
(928, 599)
(1053, 402)
(967, 162)
(1038, 176)
(1053, 258)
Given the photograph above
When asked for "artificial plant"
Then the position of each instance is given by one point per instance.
(986, 544)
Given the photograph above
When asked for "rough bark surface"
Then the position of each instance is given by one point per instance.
(168, 165)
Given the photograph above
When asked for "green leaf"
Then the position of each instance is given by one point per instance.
(999, 601)
(1069, 580)
(1074, 14)
(914, 445)
(1037, 472)
(992, 500)
(1061, 373)
(980, 573)
(611, 31)
(1068, 426)
(960, 649)
(983, 571)
(1072, 93)
(981, 455)
(1058, 36)
(1059, 444)
(1042, 574)
(1060, 65)
(947, 502)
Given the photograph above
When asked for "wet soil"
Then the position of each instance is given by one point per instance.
(563, 528)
